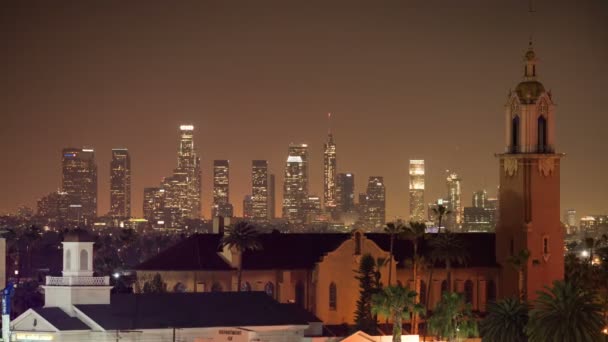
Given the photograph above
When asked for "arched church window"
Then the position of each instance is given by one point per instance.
(333, 297)
(84, 260)
(545, 245)
(358, 243)
(269, 289)
(515, 134)
(468, 291)
(422, 295)
(542, 134)
(68, 260)
(444, 287)
(300, 293)
(245, 287)
(491, 290)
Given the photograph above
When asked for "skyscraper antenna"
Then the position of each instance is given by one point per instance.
(328, 123)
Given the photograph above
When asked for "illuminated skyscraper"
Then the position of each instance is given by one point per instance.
(345, 192)
(376, 202)
(120, 183)
(480, 199)
(570, 220)
(221, 189)
(295, 188)
(329, 173)
(417, 190)
(54, 207)
(259, 190)
(271, 197)
(188, 171)
(79, 181)
(453, 220)
(154, 206)
(247, 207)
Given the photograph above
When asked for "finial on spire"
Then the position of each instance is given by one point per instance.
(329, 123)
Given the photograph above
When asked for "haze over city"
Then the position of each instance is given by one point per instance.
(403, 81)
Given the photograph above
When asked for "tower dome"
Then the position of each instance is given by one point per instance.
(530, 89)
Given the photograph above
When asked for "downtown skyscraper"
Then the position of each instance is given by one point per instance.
(221, 189)
(260, 190)
(295, 187)
(416, 173)
(454, 205)
(376, 202)
(120, 183)
(79, 181)
(329, 173)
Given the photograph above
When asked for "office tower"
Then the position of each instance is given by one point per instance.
(295, 187)
(376, 202)
(478, 219)
(120, 183)
(248, 207)
(312, 208)
(570, 218)
(188, 172)
(54, 206)
(329, 173)
(480, 199)
(259, 189)
(271, 197)
(416, 190)
(221, 189)
(79, 181)
(345, 192)
(154, 206)
(453, 220)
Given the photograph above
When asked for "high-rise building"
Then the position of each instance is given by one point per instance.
(345, 192)
(188, 171)
(570, 220)
(259, 189)
(295, 188)
(480, 199)
(312, 208)
(376, 202)
(54, 206)
(221, 189)
(329, 173)
(416, 190)
(248, 207)
(120, 183)
(453, 220)
(79, 181)
(154, 206)
(529, 189)
(271, 197)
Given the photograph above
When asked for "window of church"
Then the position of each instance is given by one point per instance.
(333, 297)
(422, 295)
(84, 260)
(357, 243)
(545, 245)
(491, 291)
(515, 135)
(269, 289)
(444, 287)
(468, 291)
(300, 293)
(68, 260)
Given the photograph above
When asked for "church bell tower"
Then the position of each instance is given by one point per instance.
(529, 189)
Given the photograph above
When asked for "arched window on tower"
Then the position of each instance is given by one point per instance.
(84, 260)
(444, 287)
(68, 260)
(515, 134)
(300, 293)
(491, 291)
(422, 295)
(542, 135)
(333, 297)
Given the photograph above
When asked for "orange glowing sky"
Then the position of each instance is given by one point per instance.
(404, 80)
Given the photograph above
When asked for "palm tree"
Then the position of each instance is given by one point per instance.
(506, 321)
(441, 211)
(241, 237)
(453, 318)
(395, 302)
(415, 232)
(448, 248)
(519, 261)
(394, 229)
(565, 312)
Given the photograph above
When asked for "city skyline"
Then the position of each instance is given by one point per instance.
(382, 106)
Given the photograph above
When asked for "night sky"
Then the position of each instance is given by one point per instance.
(403, 79)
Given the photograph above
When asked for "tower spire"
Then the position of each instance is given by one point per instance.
(329, 123)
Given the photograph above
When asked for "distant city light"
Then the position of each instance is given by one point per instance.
(116, 275)
(585, 254)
